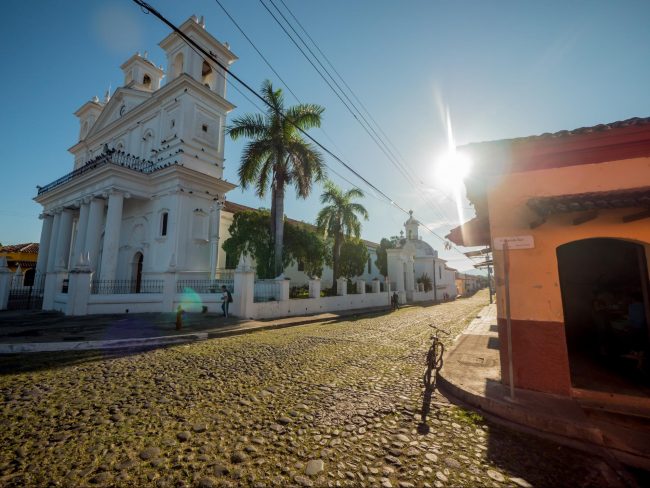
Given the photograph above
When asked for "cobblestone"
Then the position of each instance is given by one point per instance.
(325, 404)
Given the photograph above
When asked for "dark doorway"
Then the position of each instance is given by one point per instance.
(137, 272)
(604, 285)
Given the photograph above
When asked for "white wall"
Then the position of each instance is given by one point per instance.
(307, 306)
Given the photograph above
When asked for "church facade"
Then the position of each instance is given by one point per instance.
(145, 193)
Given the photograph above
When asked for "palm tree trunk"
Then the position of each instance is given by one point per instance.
(278, 216)
(336, 256)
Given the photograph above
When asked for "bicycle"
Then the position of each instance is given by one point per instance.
(434, 356)
(434, 363)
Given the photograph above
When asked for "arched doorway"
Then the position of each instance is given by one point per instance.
(604, 286)
(137, 272)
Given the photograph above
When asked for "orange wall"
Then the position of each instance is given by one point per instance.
(535, 288)
(536, 302)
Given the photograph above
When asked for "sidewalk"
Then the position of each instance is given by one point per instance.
(472, 374)
(35, 331)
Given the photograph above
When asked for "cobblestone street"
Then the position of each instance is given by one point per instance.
(326, 404)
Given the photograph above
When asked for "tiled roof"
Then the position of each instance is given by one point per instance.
(29, 247)
(634, 121)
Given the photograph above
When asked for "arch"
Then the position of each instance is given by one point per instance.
(208, 76)
(604, 285)
(136, 273)
(177, 66)
(146, 81)
(28, 277)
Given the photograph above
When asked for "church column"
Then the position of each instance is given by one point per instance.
(54, 237)
(410, 275)
(112, 236)
(63, 240)
(94, 230)
(44, 245)
(82, 224)
(215, 222)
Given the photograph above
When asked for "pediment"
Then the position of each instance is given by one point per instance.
(123, 97)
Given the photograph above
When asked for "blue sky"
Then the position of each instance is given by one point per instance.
(502, 69)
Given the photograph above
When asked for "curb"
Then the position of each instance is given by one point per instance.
(108, 344)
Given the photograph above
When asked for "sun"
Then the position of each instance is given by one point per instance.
(451, 170)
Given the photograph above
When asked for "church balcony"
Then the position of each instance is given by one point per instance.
(117, 158)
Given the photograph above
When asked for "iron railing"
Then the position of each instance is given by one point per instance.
(117, 158)
(298, 291)
(266, 291)
(125, 287)
(23, 297)
(204, 286)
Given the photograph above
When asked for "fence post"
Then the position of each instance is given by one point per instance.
(5, 283)
(376, 286)
(314, 288)
(361, 287)
(78, 288)
(283, 285)
(169, 291)
(243, 294)
(342, 286)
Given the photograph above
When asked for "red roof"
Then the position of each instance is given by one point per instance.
(30, 248)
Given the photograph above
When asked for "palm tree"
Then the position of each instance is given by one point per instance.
(339, 219)
(278, 156)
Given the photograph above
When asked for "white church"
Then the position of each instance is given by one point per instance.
(139, 220)
(146, 189)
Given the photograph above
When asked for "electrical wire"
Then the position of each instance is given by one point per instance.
(148, 9)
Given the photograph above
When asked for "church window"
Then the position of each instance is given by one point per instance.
(172, 124)
(440, 272)
(122, 110)
(369, 265)
(146, 81)
(163, 224)
(204, 127)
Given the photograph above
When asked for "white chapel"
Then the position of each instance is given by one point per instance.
(145, 192)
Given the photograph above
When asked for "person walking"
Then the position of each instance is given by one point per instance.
(226, 300)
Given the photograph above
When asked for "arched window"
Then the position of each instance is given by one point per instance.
(163, 223)
(207, 75)
(178, 65)
(146, 81)
(28, 278)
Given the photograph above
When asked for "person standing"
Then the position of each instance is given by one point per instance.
(226, 300)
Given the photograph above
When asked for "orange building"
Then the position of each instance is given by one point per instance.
(574, 207)
(23, 255)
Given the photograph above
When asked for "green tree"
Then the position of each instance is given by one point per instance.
(250, 233)
(278, 156)
(339, 220)
(382, 257)
(353, 259)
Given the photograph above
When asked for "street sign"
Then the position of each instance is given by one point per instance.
(515, 242)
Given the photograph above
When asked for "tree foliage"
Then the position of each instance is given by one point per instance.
(382, 257)
(353, 259)
(338, 220)
(277, 155)
(250, 233)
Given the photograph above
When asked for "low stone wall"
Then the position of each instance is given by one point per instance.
(306, 306)
(120, 303)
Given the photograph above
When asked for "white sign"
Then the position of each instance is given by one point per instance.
(516, 242)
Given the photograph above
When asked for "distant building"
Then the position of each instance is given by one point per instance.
(574, 210)
(21, 256)
(413, 261)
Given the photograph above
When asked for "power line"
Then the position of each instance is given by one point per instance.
(147, 8)
(377, 139)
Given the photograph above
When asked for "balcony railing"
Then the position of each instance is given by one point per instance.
(117, 158)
